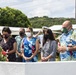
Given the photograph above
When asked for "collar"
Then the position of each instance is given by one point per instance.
(69, 32)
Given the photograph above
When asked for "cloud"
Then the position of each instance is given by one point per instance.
(4, 3)
(7, 2)
(51, 8)
(39, 12)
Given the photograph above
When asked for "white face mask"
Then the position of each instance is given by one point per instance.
(28, 34)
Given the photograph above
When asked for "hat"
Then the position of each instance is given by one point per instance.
(44, 27)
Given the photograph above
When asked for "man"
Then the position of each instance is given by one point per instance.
(67, 41)
(19, 40)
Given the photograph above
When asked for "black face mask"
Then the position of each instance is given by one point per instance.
(21, 33)
(5, 36)
(46, 36)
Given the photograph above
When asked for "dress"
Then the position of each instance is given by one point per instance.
(9, 46)
(49, 48)
(29, 48)
(66, 40)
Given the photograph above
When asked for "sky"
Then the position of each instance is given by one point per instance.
(40, 8)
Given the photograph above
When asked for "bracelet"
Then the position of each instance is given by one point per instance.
(67, 49)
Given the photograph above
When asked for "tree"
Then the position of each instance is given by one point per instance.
(13, 18)
(38, 22)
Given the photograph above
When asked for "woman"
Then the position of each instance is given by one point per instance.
(48, 52)
(8, 44)
(30, 47)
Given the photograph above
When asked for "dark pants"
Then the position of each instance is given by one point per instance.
(19, 59)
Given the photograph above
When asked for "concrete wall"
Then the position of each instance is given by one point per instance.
(38, 68)
(9, 68)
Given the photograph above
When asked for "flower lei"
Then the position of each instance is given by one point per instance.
(3, 54)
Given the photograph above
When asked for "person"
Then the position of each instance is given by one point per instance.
(0, 37)
(8, 44)
(67, 41)
(40, 34)
(48, 52)
(30, 47)
(19, 40)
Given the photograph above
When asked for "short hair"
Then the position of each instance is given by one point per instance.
(22, 29)
(6, 29)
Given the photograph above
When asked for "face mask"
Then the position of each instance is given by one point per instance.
(64, 30)
(46, 36)
(5, 36)
(21, 33)
(28, 34)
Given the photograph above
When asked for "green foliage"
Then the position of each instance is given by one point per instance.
(38, 22)
(13, 18)
(2, 57)
(0, 49)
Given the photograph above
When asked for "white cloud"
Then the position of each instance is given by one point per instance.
(40, 12)
(51, 8)
(1, 1)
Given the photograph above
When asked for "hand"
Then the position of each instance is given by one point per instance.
(4, 53)
(61, 48)
(40, 32)
(7, 60)
(44, 59)
(26, 58)
(19, 54)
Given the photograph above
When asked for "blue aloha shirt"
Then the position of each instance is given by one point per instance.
(29, 49)
(65, 40)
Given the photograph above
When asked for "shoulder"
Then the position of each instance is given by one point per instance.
(61, 36)
(74, 32)
(24, 39)
(73, 36)
(54, 41)
(33, 38)
(1, 41)
(12, 40)
(17, 37)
